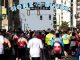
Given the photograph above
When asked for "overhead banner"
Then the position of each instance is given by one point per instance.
(39, 6)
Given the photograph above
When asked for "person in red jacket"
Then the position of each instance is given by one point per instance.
(22, 43)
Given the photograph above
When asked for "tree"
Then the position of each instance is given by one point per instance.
(64, 26)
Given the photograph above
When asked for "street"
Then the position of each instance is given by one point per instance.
(69, 58)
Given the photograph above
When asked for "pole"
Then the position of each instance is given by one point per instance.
(71, 15)
(0, 9)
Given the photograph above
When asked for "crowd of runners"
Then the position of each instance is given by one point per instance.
(39, 45)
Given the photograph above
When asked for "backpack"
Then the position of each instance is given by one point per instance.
(57, 47)
(21, 43)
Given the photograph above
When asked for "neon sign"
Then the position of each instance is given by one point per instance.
(40, 6)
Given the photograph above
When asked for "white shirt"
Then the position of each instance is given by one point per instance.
(35, 45)
(1, 44)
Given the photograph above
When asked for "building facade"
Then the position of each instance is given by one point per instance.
(43, 17)
(3, 14)
(14, 20)
(78, 14)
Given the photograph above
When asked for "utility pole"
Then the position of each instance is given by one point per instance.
(72, 15)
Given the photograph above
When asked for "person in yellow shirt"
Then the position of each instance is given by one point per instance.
(48, 38)
(66, 41)
(48, 41)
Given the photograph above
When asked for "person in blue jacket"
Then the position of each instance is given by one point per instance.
(58, 38)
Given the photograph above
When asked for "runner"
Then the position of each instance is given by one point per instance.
(22, 43)
(15, 45)
(78, 52)
(66, 41)
(35, 45)
(73, 44)
(48, 40)
(2, 42)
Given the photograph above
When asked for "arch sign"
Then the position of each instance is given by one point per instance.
(40, 6)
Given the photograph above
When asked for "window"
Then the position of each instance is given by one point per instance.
(49, 17)
(61, 17)
(71, 0)
(54, 22)
(54, 26)
(41, 17)
(54, 18)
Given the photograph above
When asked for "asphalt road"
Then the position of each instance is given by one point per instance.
(13, 58)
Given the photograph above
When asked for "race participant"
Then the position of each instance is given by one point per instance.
(58, 45)
(48, 40)
(66, 41)
(3, 40)
(35, 45)
(22, 43)
(15, 45)
(73, 44)
(78, 51)
(41, 36)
